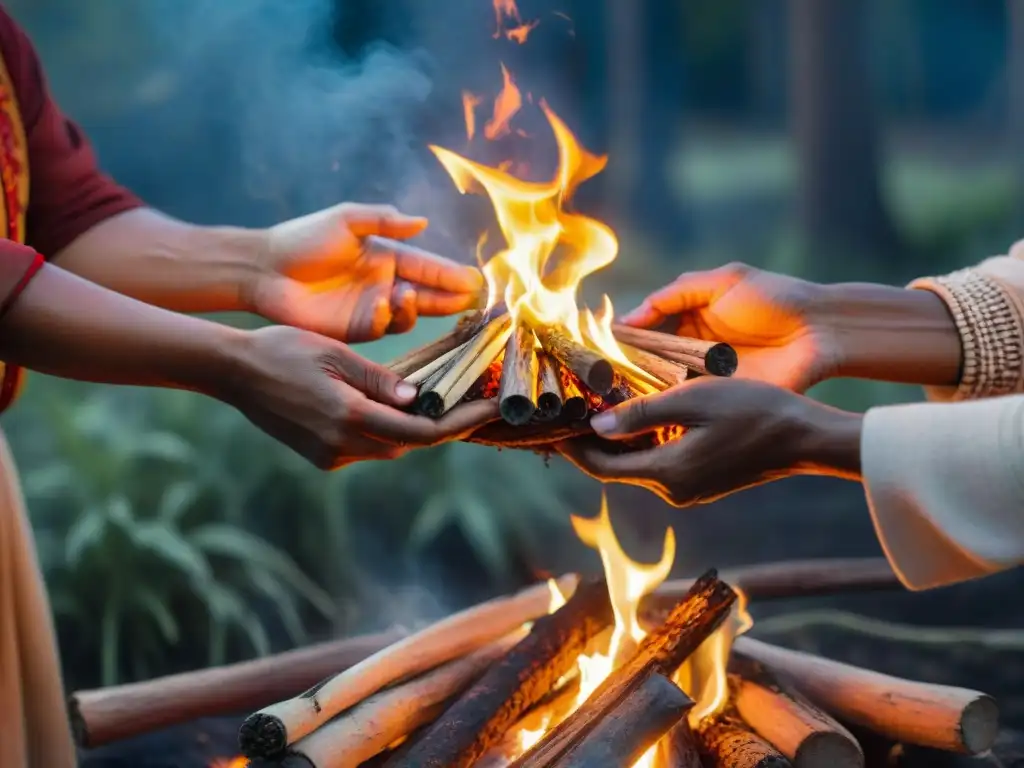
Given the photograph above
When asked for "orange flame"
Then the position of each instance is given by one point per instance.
(230, 762)
(508, 103)
(510, 23)
(469, 105)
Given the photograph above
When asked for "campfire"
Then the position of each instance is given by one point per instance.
(549, 362)
(612, 671)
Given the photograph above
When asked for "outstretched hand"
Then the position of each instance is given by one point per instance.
(344, 272)
(738, 434)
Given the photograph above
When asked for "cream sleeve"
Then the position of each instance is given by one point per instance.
(987, 304)
(945, 485)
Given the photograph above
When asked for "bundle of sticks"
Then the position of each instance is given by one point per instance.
(464, 691)
(546, 383)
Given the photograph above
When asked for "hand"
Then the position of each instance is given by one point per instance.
(333, 272)
(331, 406)
(770, 319)
(738, 434)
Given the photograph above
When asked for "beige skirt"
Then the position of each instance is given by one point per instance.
(34, 730)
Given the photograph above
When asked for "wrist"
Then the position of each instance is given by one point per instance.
(886, 333)
(225, 363)
(235, 261)
(827, 441)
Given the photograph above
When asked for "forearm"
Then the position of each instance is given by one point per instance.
(168, 263)
(63, 325)
(891, 334)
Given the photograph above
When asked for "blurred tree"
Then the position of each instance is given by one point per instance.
(833, 118)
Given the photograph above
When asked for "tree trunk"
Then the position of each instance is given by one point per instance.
(833, 119)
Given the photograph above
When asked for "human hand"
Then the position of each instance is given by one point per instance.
(772, 321)
(344, 273)
(319, 398)
(738, 434)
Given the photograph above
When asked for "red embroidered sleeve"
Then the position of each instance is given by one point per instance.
(68, 194)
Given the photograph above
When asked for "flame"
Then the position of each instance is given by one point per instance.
(469, 104)
(506, 12)
(230, 762)
(508, 103)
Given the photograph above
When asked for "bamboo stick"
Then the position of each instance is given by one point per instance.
(517, 392)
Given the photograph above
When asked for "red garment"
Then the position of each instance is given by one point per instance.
(51, 189)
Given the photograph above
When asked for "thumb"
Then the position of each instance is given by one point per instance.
(678, 406)
(377, 382)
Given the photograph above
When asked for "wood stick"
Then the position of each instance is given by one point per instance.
(776, 712)
(484, 713)
(118, 712)
(590, 368)
(711, 357)
(661, 652)
(464, 330)
(546, 713)
(666, 371)
(268, 732)
(379, 721)
(575, 406)
(549, 386)
(634, 726)
(727, 743)
(940, 716)
(787, 579)
(680, 748)
(421, 375)
(446, 387)
(517, 392)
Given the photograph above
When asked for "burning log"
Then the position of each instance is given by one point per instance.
(661, 652)
(710, 357)
(929, 715)
(105, 715)
(421, 375)
(680, 747)
(631, 728)
(379, 721)
(549, 387)
(517, 394)
(588, 366)
(549, 710)
(666, 371)
(727, 743)
(467, 327)
(445, 387)
(483, 714)
(575, 407)
(803, 733)
(268, 732)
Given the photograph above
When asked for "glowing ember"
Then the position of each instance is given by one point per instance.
(230, 762)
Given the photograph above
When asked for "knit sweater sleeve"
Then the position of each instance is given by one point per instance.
(987, 304)
(945, 485)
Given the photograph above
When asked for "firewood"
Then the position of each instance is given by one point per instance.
(589, 367)
(268, 732)
(486, 711)
(517, 393)
(546, 713)
(631, 728)
(711, 357)
(785, 579)
(929, 715)
(379, 721)
(680, 747)
(778, 713)
(549, 389)
(661, 652)
(726, 742)
(664, 371)
(575, 406)
(119, 712)
(422, 374)
(464, 330)
(441, 391)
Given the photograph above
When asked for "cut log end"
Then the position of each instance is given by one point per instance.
(262, 735)
(549, 406)
(979, 725)
(517, 410)
(721, 360)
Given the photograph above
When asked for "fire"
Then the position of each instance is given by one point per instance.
(508, 103)
(703, 676)
(506, 12)
(230, 762)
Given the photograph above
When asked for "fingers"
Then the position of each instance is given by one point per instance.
(403, 308)
(680, 405)
(434, 303)
(588, 455)
(429, 270)
(385, 423)
(385, 220)
(376, 382)
(689, 291)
